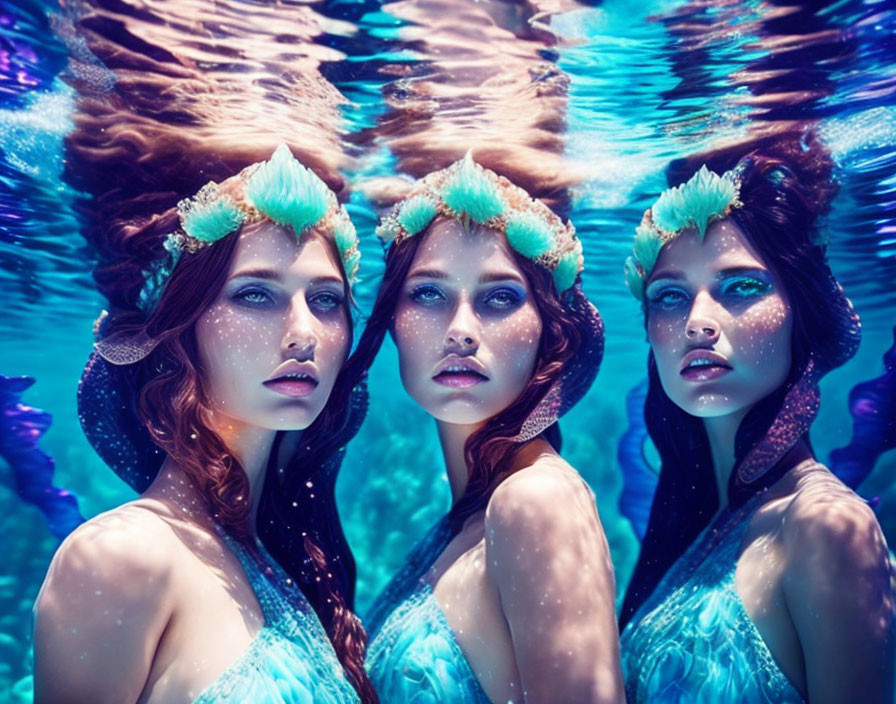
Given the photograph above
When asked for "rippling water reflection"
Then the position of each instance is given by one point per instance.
(595, 97)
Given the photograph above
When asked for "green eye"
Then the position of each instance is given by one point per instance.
(747, 287)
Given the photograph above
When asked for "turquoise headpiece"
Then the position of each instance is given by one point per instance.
(705, 198)
(469, 192)
(280, 190)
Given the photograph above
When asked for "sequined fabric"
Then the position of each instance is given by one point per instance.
(413, 656)
(692, 641)
(291, 660)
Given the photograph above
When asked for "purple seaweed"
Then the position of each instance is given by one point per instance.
(639, 479)
(872, 404)
(32, 469)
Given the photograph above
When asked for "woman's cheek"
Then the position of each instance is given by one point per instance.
(764, 333)
(515, 342)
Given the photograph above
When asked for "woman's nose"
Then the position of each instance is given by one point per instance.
(462, 336)
(299, 337)
(702, 326)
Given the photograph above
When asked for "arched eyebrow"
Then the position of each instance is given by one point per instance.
(676, 275)
(487, 278)
(427, 274)
(493, 276)
(258, 273)
(672, 274)
(274, 275)
(741, 271)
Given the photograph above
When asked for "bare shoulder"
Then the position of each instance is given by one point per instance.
(827, 525)
(546, 491)
(128, 542)
(103, 607)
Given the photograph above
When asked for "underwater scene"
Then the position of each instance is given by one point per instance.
(624, 89)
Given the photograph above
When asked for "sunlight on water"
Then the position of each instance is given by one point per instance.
(648, 82)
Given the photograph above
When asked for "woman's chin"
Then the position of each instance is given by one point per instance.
(460, 412)
(711, 405)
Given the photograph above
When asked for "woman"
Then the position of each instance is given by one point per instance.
(510, 597)
(230, 324)
(762, 578)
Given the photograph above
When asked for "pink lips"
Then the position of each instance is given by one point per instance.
(704, 365)
(459, 372)
(293, 378)
(292, 387)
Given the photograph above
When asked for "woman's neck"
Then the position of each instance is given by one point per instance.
(721, 432)
(453, 438)
(250, 446)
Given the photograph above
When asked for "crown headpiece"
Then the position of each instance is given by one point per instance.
(705, 198)
(469, 192)
(281, 190)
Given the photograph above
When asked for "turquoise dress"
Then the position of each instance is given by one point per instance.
(291, 660)
(413, 656)
(692, 641)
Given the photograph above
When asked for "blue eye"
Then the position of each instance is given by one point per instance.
(668, 299)
(746, 287)
(253, 296)
(426, 294)
(326, 301)
(503, 298)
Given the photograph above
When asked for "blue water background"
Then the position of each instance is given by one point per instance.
(643, 91)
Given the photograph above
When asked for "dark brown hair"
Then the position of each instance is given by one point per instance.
(154, 121)
(489, 451)
(173, 404)
(786, 185)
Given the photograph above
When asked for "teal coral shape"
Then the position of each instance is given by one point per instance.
(210, 215)
(648, 244)
(289, 193)
(469, 191)
(704, 198)
(633, 278)
(345, 236)
(416, 213)
(567, 268)
(529, 234)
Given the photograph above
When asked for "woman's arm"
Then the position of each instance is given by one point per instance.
(839, 592)
(101, 612)
(548, 555)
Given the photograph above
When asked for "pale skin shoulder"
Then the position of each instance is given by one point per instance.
(839, 588)
(103, 608)
(548, 556)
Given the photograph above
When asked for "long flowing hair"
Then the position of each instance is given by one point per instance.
(786, 186)
(489, 451)
(171, 399)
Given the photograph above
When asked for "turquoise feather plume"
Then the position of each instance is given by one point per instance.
(633, 279)
(416, 213)
(470, 192)
(648, 244)
(529, 234)
(567, 269)
(704, 198)
(210, 215)
(345, 236)
(287, 192)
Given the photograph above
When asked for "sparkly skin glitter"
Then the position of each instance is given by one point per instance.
(465, 326)
(718, 323)
(273, 342)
